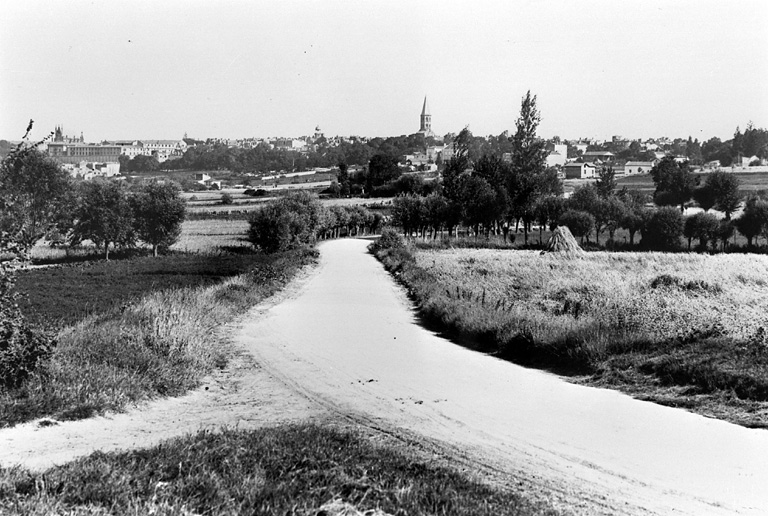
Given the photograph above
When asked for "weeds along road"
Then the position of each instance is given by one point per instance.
(349, 340)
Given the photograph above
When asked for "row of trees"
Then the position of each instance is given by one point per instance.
(676, 185)
(487, 194)
(301, 219)
(39, 199)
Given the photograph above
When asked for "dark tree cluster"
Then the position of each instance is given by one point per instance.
(300, 219)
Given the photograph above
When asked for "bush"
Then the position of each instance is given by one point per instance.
(390, 239)
(664, 229)
(22, 349)
(226, 199)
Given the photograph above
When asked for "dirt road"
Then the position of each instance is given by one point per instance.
(343, 341)
(350, 341)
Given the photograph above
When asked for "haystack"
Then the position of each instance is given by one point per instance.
(562, 242)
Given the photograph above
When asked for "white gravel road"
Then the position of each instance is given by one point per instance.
(350, 340)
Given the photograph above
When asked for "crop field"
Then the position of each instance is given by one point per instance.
(211, 235)
(750, 182)
(681, 329)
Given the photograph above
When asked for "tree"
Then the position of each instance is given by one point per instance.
(724, 188)
(36, 196)
(663, 229)
(702, 226)
(528, 165)
(674, 182)
(704, 197)
(226, 199)
(158, 210)
(753, 220)
(381, 169)
(548, 210)
(606, 182)
(633, 221)
(103, 215)
(580, 223)
(408, 212)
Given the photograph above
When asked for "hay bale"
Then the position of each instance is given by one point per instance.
(562, 241)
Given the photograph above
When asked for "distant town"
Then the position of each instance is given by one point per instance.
(315, 158)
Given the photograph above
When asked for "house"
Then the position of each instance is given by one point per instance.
(637, 167)
(598, 156)
(558, 154)
(579, 171)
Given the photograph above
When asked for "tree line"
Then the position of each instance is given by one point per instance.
(39, 200)
(300, 219)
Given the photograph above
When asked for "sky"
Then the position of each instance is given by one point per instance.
(158, 69)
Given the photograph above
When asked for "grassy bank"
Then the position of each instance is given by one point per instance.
(292, 470)
(151, 330)
(680, 329)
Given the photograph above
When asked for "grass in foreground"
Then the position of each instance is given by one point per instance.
(681, 329)
(290, 470)
(159, 345)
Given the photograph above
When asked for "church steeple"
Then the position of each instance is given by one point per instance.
(426, 119)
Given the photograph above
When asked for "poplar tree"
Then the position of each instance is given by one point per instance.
(529, 164)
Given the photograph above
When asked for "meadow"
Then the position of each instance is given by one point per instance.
(681, 329)
(291, 470)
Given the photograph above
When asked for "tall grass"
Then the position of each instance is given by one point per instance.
(292, 470)
(690, 320)
(162, 344)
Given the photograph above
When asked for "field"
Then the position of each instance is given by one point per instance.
(294, 470)
(750, 182)
(681, 329)
(132, 329)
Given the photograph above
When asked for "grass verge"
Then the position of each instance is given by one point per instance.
(685, 330)
(291, 470)
(159, 345)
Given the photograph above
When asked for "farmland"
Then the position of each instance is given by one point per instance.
(680, 329)
(136, 328)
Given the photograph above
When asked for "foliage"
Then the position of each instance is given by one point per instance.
(725, 191)
(753, 220)
(381, 169)
(579, 222)
(103, 215)
(528, 165)
(674, 182)
(158, 211)
(663, 229)
(704, 227)
(606, 182)
(300, 219)
(35, 196)
(226, 199)
(408, 213)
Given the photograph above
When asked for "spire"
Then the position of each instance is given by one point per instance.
(425, 109)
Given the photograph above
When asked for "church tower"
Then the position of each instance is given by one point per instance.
(426, 120)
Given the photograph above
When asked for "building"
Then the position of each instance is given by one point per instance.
(598, 156)
(425, 121)
(637, 167)
(558, 154)
(580, 171)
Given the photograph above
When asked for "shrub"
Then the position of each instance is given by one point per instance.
(664, 229)
(390, 239)
(22, 349)
(226, 199)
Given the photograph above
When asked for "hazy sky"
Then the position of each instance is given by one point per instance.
(158, 69)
